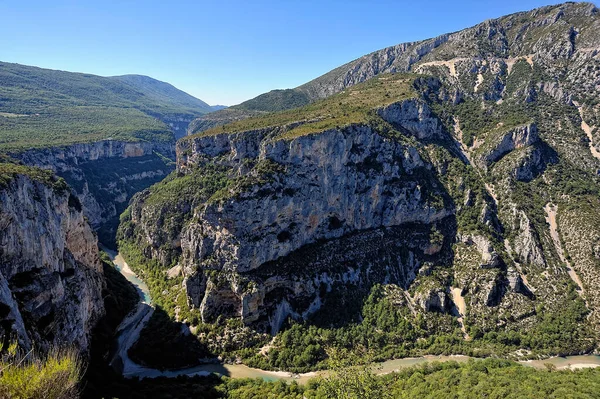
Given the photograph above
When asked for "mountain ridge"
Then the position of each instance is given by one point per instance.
(161, 88)
(396, 58)
(74, 106)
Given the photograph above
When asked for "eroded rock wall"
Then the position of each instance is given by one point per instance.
(105, 174)
(50, 274)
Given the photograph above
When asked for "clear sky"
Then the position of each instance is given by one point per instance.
(225, 52)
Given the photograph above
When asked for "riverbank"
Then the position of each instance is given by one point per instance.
(130, 328)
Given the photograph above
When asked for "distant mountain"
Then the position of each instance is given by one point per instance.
(217, 107)
(162, 92)
(44, 107)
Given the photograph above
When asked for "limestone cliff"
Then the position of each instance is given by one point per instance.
(361, 191)
(104, 174)
(50, 274)
(323, 186)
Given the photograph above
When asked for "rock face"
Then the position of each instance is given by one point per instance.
(50, 274)
(527, 243)
(323, 207)
(298, 284)
(433, 301)
(355, 180)
(104, 174)
(489, 257)
(62, 159)
(414, 117)
(518, 137)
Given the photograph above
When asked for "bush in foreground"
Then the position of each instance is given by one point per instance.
(27, 375)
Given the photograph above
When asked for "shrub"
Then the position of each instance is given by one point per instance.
(28, 375)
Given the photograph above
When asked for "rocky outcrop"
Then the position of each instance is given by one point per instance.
(526, 242)
(489, 257)
(518, 137)
(433, 300)
(328, 185)
(50, 274)
(531, 164)
(515, 282)
(413, 117)
(397, 58)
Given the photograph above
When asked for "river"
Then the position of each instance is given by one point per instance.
(129, 330)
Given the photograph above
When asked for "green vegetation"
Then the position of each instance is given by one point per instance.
(162, 98)
(478, 120)
(275, 100)
(9, 170)
(386, 328)
(30, 376)
(42, 108)
(193, 187)
(261, 172)
(491, 378)
(82, 124)
(29, 89)
(354, 105)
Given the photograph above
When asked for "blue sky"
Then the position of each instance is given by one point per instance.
(225, 52)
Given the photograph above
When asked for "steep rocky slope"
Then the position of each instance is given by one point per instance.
(51, 278)
(408, 214)
(105, 174)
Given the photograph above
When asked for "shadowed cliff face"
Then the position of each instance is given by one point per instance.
(50, 274)
(105, 175)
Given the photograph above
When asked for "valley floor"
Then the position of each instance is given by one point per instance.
(130, 328)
